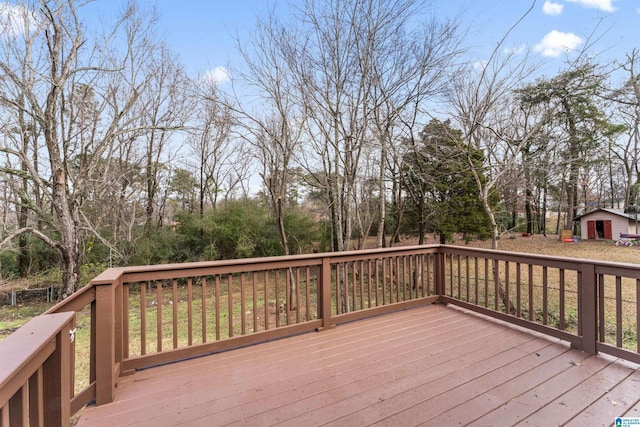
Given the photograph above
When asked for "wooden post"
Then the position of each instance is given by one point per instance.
(92, 343)
(118, 326)
(324, 294)
(588, 315)
(105, 343)
(56, 371)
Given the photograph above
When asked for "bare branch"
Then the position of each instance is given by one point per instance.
(46, 239)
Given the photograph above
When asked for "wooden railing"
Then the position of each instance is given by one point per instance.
(35, 377)
(137, 317)
(179, 311)
(591, 304)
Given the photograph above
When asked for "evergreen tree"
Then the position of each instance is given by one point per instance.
(576, 96)
(441, 189)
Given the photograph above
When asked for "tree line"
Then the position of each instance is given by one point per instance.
(353, 119)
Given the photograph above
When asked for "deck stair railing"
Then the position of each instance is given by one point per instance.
(138, 317)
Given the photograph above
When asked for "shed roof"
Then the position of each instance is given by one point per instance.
(618, 212)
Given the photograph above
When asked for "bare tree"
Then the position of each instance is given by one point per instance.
(164, 109)
(78, 96)
(488, 124)
(211, 143)
(407, 70)
(273, 129)
(349, 66)
(627, 150)
(483, 107)
(366, 196)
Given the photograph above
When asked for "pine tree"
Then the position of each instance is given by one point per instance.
(441, 189)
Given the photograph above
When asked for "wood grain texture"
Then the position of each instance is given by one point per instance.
(431, 365)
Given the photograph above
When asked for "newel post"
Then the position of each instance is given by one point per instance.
(324, 293)
(106, 339)
(587, 306)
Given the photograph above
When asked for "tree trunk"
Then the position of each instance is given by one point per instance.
(23, 210)
(67, 213)
(23, 213)
(382, 203)
(151, 176)
(495, 233)
(293, 284)
(572, 185)
(397, 204)
(66, 210)
(543, 214)
(528, 208)
(422, 226)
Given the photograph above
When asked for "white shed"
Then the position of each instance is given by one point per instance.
(606, 224)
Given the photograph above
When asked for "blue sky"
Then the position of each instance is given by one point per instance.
(202, 31)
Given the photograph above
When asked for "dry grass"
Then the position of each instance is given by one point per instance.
(551, 245)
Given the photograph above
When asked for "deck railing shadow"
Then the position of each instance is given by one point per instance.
(138, 317)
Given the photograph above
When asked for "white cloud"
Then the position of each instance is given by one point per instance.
(604, 5)
(217, 75)
(551, 8)
(556, 42)
(479, 66)
(15, 19)
(515, 50)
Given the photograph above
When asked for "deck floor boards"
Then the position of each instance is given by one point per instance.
(433, 365)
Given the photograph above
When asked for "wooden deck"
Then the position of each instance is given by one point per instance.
(427, 366)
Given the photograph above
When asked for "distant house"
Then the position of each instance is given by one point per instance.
(606, 224)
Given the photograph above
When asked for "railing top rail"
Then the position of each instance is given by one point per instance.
(26, 349)
(85, 295)
(76, 301)
(112, 274)
(109, 275)
(376, 253)
(507, 255)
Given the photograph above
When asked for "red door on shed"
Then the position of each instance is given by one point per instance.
(607, 230)
(591, 229)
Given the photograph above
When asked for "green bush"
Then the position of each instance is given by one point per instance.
(9, 265)
(239, 229)
(89, 270)
(302, 232)
(161, 247)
